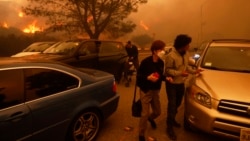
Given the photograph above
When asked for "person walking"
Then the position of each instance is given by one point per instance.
(177, 69)
(149, 80)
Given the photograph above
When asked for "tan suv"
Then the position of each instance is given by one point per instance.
(219, 100)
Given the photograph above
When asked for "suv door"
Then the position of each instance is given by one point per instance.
(15, 116)
(112, 58)
(86, 55)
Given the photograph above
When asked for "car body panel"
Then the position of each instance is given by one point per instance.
(212, 82)
(21, 54)
(34, 48)
(109, 56)
(218, 102)
(49, 117)
(16, 123)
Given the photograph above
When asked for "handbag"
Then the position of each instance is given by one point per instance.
(136, 105)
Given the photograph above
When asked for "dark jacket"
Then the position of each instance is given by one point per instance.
(146, 68)
(132, 51)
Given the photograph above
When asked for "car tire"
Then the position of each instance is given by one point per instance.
(85, 126)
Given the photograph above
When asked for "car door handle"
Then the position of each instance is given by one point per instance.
(16, 116)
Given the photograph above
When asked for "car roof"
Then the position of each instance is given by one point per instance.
(83, 40)
(4, 61)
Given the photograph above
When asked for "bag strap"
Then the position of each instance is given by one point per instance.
(135, 93)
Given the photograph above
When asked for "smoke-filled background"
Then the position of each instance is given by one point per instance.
(164, 19)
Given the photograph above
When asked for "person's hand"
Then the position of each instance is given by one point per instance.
(199, 70)
(153, 77)
(184, 74)
(169, 79)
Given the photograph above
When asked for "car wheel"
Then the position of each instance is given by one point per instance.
(85, 127)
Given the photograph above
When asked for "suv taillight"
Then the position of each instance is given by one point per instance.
(114, 87)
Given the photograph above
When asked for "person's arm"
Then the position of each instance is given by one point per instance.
(141, 74)
(169, 67)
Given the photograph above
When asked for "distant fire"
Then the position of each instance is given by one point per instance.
(90, 18)
(20, 14)
(144, 25)
(32, 28)
(5, 25)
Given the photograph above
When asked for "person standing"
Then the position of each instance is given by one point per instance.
(132, 52)
(177, 68)
(149, 80)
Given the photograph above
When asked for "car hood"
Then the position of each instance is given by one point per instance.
(225, 85)
(21, 54)
(48, 56)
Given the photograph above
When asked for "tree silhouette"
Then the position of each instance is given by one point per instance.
(94, 17)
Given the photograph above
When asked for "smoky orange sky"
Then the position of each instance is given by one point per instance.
(164, 19)
(201, 19)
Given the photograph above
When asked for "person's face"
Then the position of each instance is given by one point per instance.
(184, 49)
(129, 45)
(160, 53)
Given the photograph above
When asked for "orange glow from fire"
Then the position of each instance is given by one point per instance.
(90, 18)
(144, 25)
(5, 25)
(20, 14)
(32, 28)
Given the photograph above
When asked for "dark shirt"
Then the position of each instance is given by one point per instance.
(146, 68)
(132, 51)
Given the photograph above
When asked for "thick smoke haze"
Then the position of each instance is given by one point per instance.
(164, 19)
(201, 19)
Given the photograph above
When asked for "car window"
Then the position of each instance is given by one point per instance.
(107, 47)
(11, 88)
(63, 48)
(37, 47)
(227, 58)
(88, 48)
(43, 82)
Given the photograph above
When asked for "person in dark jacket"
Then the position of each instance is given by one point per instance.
(149, 80)
(132, 52)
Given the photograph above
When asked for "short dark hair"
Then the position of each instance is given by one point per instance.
(157, 45)
(181, 41)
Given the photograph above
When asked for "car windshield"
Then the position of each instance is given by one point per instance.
(63, 48)
(37, 47)
(227, 58)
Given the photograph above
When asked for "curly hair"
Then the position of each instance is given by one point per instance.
(181, 41)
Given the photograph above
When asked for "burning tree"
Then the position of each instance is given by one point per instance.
(94, 17)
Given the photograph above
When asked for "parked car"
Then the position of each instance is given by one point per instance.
(45, 100)
(219, 101)
(34, 48)
(109, 56)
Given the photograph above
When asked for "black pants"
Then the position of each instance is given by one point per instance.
(175, 94)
